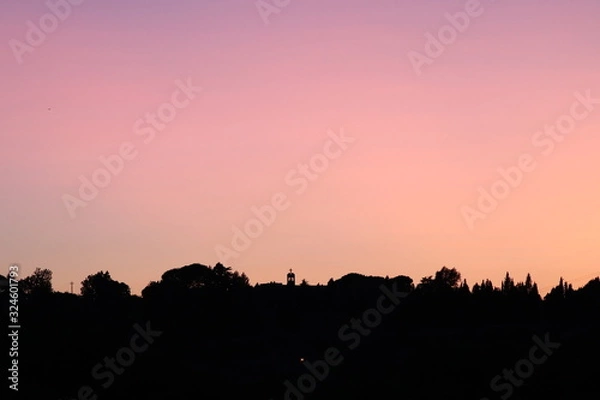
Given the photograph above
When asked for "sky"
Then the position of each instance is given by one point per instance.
(368, 135)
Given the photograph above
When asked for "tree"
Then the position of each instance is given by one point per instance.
(534, 290)
(444, 279)
(560, 292)
(151, 289)
(239, 280)
(191, 277)
(528, 283)
(508, 285)
(464, 287)
(199, 276)
(40, 282)
(222, 275)
(447, 277)
(101, 286)
(486, 286)
(426, 281)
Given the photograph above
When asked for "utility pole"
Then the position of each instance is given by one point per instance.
(71, 287)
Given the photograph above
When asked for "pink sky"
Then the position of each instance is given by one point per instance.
(389, 205)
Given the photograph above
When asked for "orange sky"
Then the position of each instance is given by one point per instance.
(389, 203)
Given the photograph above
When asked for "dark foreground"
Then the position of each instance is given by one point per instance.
(191, 337)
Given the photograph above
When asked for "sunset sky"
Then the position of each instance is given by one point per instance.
(272, 96)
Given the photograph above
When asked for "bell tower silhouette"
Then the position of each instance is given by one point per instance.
(291, 278)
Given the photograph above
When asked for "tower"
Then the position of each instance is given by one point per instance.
(291, 278)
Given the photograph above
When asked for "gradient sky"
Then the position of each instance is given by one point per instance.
(389, 205)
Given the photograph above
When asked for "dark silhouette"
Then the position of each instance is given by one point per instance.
(291, 278)
(203, 332)
(101, 286)
(38, 283)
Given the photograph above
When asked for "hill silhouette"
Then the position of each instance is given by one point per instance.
(204, 332)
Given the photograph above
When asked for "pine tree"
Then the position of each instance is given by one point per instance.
(509, 284)
(464, 287)
(534, 290)
(528, 283)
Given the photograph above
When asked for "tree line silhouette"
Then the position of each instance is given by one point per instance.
(223, 338)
